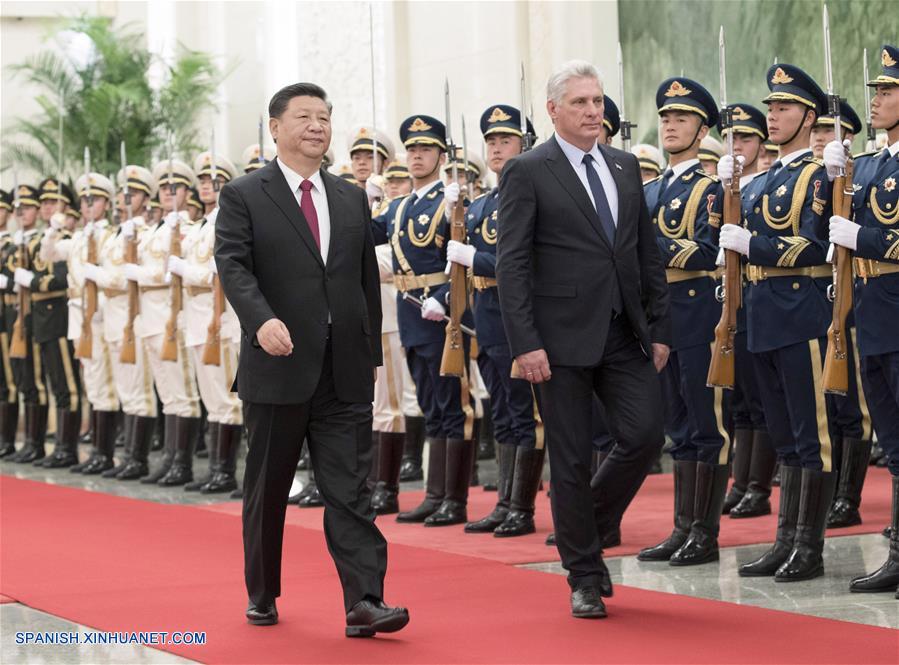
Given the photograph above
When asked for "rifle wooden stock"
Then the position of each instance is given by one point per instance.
(835, 377)
(170, 342)
(85, 349)
(453, 361)
(128, 355)
(212, 352)
(721, 368)
(18, 346)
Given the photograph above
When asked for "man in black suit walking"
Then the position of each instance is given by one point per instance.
(585, 306)
(295, 254)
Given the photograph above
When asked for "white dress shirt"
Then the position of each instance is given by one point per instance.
(319, 199)
(576, 156)
(894, 149)
(680, 169)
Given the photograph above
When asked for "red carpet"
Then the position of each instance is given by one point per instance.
(122, 564)
(647, 521)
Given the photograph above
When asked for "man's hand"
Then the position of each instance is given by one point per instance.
(534, 366)
(274, 338)
(451, 194)
(373, 189)
(660, 355)
(735, 238)
(128, 229)
(432, 310)
(835, 158)
(177, 265)
(726, 167)
(459, 252)
(844, 233)
(4, 282)
(133, 272)
(23, 277)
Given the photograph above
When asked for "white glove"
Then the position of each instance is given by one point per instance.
(24, 278)
(735, 238)
(133, 272)
(459, 252)
(373, 189)
(835, 157)
(89, 229)
(432, 310)
(726, 166)
(92, 272)
(57, 221)
(177, 265)
(451, 194)
(4, 282)
(213, 267)
(128, 229)
(843, 232)
(17, 238)
(172, 219)
(719, 260)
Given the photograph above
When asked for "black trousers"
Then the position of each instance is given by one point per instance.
(61, 368)
(339, 438)
(626, 383)
(29, 374)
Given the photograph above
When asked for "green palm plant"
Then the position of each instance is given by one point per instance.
(107, 98)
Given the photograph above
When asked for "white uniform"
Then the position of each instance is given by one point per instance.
(214, 381)
(99, 385)
(175, 381)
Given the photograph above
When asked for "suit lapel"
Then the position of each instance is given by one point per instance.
(337, 203)
(275, 186)
(561, 168)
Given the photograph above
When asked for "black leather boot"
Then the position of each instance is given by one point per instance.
(108, 428)
(80, 467)
(701, 545)
(526, 481)
(103, 433)
(435, 487)
(473, 477)
(684, 500)
(412, 449)
(460, 455)
(806, 561)
(385, 500)
(182, 470)
(168, 452)
(757, 500)
(212, 454)
(33, 449)
(743, 445)
(158, 428)
(505, 453)
(223, 478)
(486, 442)
(885, 578)
(141, 430)
(787, 517)
(844, 511)
(66, 453)
(9, 424)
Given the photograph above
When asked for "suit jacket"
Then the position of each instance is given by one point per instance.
(556, 269)
(270, 267)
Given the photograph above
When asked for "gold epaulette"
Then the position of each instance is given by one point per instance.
(867, 153)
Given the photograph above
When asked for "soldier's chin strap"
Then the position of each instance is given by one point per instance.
(799, 128)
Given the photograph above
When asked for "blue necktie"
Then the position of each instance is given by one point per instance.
(667, 177)
(772, 172)
(599, 199)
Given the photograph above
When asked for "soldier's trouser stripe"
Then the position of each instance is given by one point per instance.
(65, 356)
(867, 426)
(820, 406)
(12, 396)
(38, 373)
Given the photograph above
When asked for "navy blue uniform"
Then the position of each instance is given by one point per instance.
(418, 230)
(687, 215)
(511, 400)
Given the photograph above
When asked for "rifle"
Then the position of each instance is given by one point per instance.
(527, 137)
(408, 297)
(128, 355)
(626, 125)
(835, 378)
(85, 349)
(18, 346)
(453, 361)
(212, 351)
(730, 293)
(170, 342)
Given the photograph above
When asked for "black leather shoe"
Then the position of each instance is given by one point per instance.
(734, 496)
(489, 523)
(610, 538)
(374, 616)
(586, 603)
(310, 497)
(550, 540)
(751, 505)
(843, 514)
(449, 513)
(262, 615)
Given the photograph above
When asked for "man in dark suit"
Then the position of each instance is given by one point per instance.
(585, 306)
(296, 257)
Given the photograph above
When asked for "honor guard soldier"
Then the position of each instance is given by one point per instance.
(9, 394)
(49, 328)
(874, 241)
(25, 357)
(195, 207)
(710, 151)
(175, 380)
(519, 456)
(611, 121)
(769, 156)
(253, 158)
(216, 367)
(398, 182)
(417, 228)
(154, 211)
(650, 160)
(95, 194)
(361, 147)
(823, 131)
(787, 315)
(685, 203)
(753, 452)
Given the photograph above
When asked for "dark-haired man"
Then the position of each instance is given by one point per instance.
(296, 258)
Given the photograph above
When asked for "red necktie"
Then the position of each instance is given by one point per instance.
(308, 208)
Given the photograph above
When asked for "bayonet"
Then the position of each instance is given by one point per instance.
(262, 159)
(125, 186)
(833, 99)
(468, 178)
(87, 182)
(450, 146)
(871, 133)
(214, 172)
(626, 126)
(374, 105)
(173, 188)
(59, 167)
